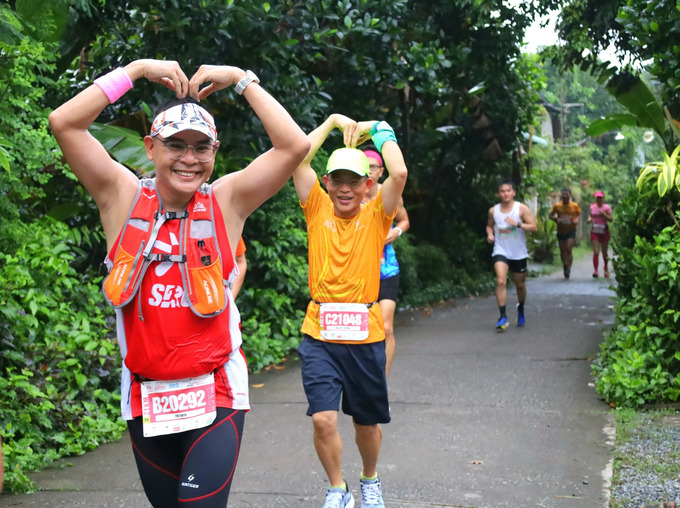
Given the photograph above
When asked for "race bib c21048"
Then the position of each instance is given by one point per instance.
(343, 321)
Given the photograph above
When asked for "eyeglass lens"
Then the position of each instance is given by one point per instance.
(177, 149)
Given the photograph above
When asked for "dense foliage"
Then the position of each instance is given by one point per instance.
(59, 364)
(645, 35)
(60, 372)
(640, 360)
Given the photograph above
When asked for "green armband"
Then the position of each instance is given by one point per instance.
(382, 132)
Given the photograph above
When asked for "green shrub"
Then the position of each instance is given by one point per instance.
(59, 389)
(275, 292)
(639, 215)
(639, 359)
(427, 275)
(542, 243)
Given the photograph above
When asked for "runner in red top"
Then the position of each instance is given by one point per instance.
(181, 369)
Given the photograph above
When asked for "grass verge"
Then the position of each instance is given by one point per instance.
(646, 458)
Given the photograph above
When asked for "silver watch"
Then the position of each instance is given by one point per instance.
(249, 78)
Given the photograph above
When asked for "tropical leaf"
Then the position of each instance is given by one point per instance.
(477, 89)
(4, 159)
(4, 154)
(666, 176)
(124, 145)
(610, 123)
(648, 172)
(635, 95)
(664, 171)
(674, 161)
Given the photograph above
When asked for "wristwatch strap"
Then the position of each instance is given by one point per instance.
(249, 78)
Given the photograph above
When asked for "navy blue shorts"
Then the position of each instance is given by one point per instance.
(355, 372)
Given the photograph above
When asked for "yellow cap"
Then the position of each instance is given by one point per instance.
(350, 159)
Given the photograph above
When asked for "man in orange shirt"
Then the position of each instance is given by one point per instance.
(567, 215)
(343, 350)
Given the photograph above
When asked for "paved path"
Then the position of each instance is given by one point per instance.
(480, 419)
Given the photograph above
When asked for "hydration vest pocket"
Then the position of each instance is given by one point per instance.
(208, 294)
(198, 254)
(118, 279)
(206, 279)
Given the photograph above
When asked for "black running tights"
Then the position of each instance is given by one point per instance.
(190, 469)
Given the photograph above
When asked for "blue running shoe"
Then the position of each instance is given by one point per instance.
(339, 498)
(371, 494)
(502, 324)
(520, 317)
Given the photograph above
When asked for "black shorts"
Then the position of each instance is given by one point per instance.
(563, 237)
(389, 288)
(515, 265)
(355, 372)
(192, 468)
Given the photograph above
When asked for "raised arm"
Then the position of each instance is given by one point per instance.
(385, 141)
(244, 191)
(305, 176)
(110, 184)
(402, 223)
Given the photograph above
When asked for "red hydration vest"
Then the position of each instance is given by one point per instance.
(199, 256)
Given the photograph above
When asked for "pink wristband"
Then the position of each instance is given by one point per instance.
(114, 84)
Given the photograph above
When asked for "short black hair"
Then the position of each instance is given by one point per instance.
(176, 102)
(506, 181)
(566, 189)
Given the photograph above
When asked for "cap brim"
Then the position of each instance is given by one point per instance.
(346, 169)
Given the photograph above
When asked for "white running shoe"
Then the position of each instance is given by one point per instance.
(339, 498)
(371, 494)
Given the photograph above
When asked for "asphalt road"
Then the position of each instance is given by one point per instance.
(479, 418)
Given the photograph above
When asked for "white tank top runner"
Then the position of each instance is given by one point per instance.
(510, 241)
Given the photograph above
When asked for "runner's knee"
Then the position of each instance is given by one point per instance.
(325, 423)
